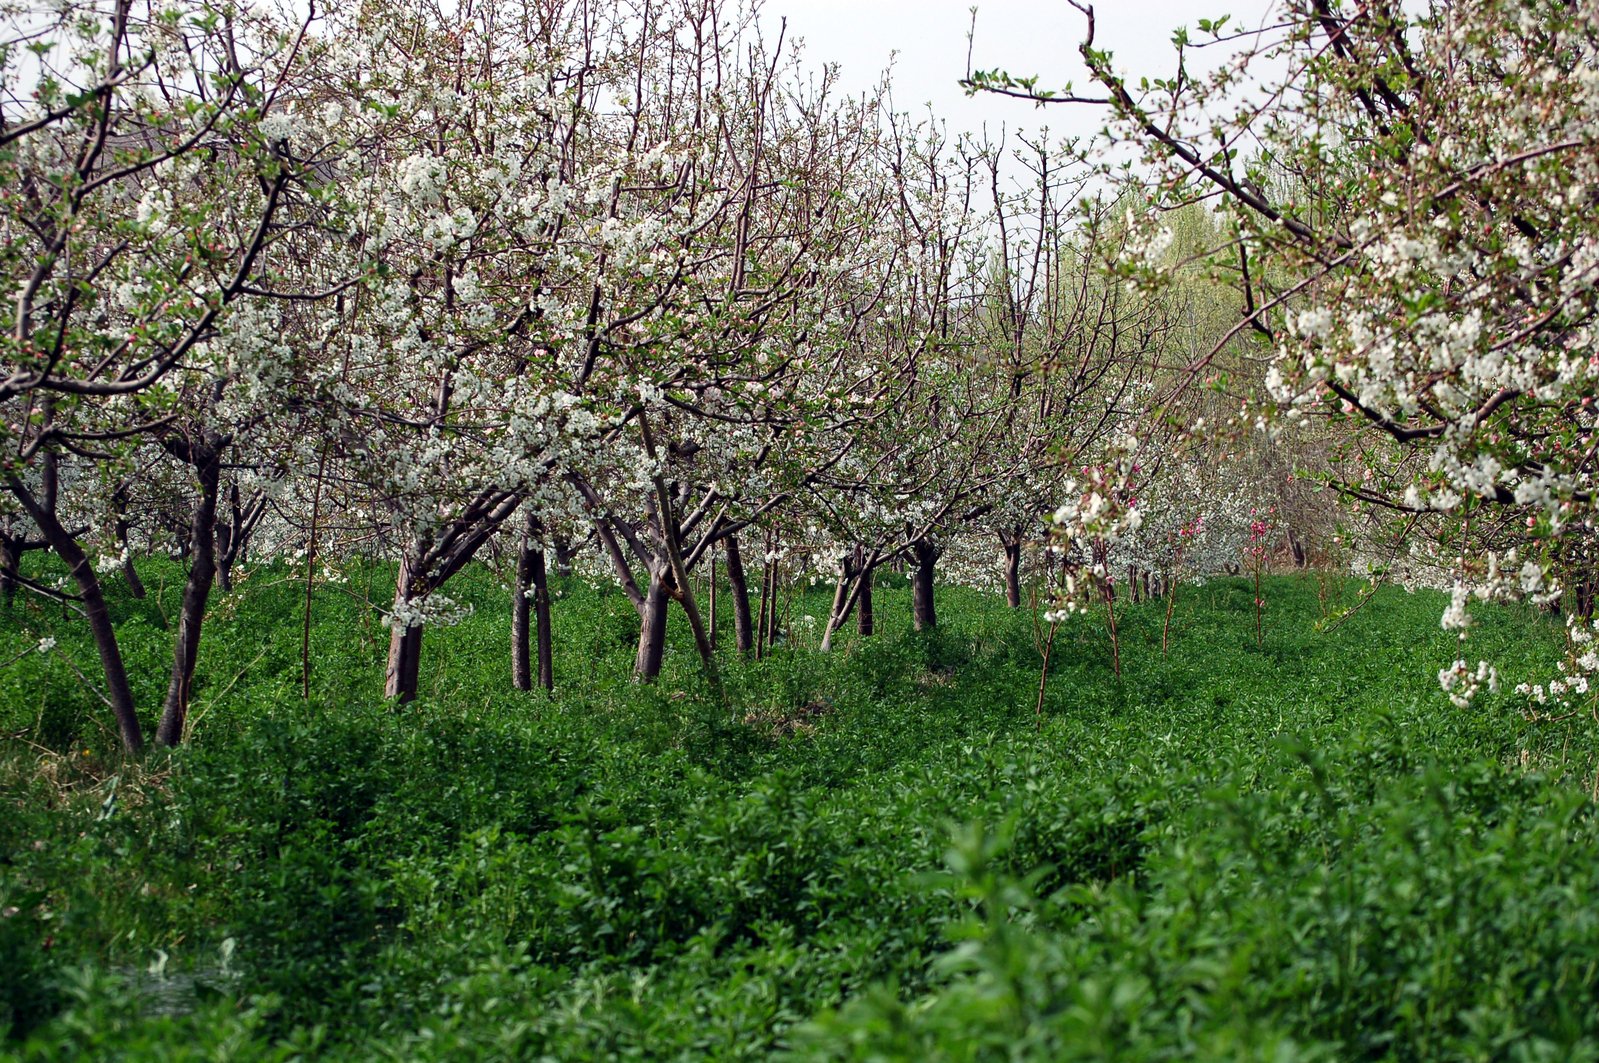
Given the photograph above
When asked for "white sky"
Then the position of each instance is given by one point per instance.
(1024, 37)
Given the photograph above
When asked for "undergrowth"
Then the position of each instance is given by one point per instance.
(1292, 851)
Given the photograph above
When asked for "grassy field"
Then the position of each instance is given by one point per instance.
(1290, 852)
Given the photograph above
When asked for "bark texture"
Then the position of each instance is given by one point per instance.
(738, 587)
(118, 693)
(924, 615)
(207, 461)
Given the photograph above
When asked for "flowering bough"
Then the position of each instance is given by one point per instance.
(1414, 244)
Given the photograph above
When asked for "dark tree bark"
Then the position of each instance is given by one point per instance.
(865, 619)
(774, 572)
(521, 613)
(207, 461)
(233, 534)
(843, 600)
(405, 642)
(681, 587)
(1297, 548)
(564, 552)
(763, 624)
(1013, 570)
(710, 594)
(405, 663)
(738, 586)
(853, 590)
(95, 611)
(130, 576)
(428, 563)
(532, 595)
(10, 568)
(652, 630)
(923, 614)
(130, 571)
(624, 574)
(224, 568)
(541, 616)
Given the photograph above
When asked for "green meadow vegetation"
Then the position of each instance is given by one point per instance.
(1289, 852)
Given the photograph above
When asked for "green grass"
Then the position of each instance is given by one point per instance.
(1295, 851)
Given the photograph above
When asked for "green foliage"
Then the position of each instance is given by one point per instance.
(1292, 851)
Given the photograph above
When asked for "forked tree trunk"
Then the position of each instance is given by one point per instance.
(95, 611)
(842, 602)
(923, 615)
(652, 630)
(1013, 572)
(233, 532)
(196, 594)
(427, 565)
(738, 586)
(130, 572)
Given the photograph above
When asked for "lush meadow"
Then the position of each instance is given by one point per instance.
(1294, 851)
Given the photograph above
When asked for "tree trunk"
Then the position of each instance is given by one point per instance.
(652, 630)
(10, 568)
(234, 531)
(130, 576)
(774, 625)
(531, 577)
(738, 586)
(710, 593)
(94, 610)
(405, 643)
(563, 557)
(923, 614)
(224, 549)
(1013, 572)
(405, 663)
(196, 593)
(1297, 548)
(624, 573)
(130, 572)
(521, 611)
(763, 626)
(865, 620)
(841, 603)
(541, 618)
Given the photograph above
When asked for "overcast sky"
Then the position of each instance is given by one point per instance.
(928, 42)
